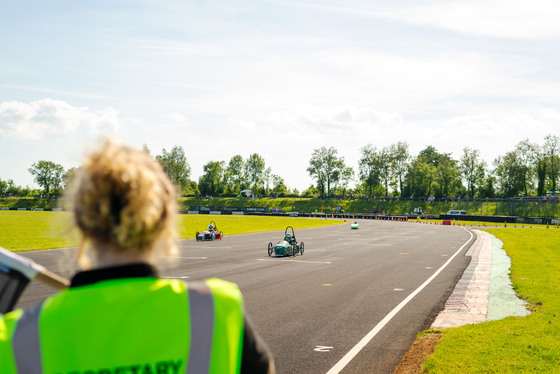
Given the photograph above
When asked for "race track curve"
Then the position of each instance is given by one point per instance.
(386, 279)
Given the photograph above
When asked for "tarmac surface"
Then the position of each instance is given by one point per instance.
(484, 292)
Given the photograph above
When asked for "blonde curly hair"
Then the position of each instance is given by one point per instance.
(121, 197)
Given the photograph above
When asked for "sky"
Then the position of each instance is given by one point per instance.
(277, 78)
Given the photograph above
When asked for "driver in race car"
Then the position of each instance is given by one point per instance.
(288, 238)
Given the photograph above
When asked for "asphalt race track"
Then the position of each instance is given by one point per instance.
(314, 309)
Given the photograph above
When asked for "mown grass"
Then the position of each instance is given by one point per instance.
(484, 225)
(27, 230)
(28, 202)
(189, 224)
(513, 345)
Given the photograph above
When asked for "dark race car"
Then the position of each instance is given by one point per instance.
(211, 234)
(287, 246)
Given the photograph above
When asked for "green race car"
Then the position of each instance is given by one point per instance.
(354, 225)
(287, 246)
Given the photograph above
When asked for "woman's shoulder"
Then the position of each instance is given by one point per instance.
(218, 287)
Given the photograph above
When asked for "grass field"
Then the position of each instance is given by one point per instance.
(27, 230)
(486, 225)
(513, 345)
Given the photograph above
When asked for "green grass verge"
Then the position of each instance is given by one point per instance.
(189, 224)
(513, 345)
(486, 208)
(27, 230)
(27, 202)
(484, 225)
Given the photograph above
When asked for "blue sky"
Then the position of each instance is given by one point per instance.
(279, 78)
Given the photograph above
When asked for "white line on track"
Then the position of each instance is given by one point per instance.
(188, 258)
(293, 260)
(198, 247)
(175, 277)
(366, 339)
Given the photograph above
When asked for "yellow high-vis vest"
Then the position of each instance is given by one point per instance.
(128, 326)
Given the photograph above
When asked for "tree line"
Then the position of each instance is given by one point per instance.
(529, 169)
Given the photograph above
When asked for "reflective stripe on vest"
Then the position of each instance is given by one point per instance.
(25, 342)
(202, 327)
(204, 321)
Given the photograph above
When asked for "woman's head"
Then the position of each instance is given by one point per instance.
(123, 200)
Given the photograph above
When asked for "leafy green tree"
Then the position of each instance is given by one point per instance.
(175, 165)
(527, 156)
(47, 175)
(326, 167)
(429, 155)
(12, 189)
(69, 175)
(346, 176)
(386, 168)
(472, 169)
(551, 150)
(310, 191)
(400, 156)
(254, 170)
(369, 169)
(541, 177)
(424, 177)
(267, 179)
(489, 187)
(146, 149)
(509, 174)
(420, 177)
(278, 185)
(446, 175)
(3, 187)
(234, 174)
(211, 181)
(192, 189)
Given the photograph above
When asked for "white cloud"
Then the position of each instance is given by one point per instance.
(344, 76)
(40, 118)
(326, 123)
(518, 19)
(493, 134)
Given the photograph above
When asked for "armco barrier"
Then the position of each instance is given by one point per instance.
(471, 217)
